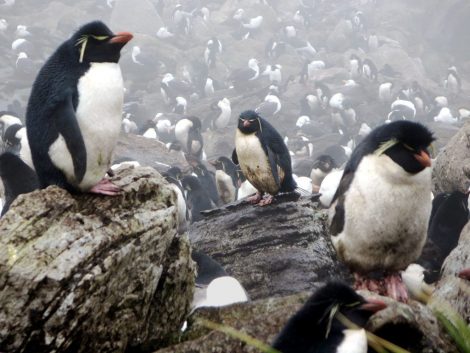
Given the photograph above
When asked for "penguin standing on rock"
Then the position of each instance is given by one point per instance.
(317, 326)
(74, 112)
(263, 157)
(380, 212)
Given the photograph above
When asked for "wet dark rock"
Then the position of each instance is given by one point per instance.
(275, 250)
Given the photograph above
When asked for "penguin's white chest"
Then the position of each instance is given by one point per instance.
(99, 110)
(386, 216)
(255, 164)
(354, 341)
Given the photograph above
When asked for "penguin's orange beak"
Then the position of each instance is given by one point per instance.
(122, 37)
(423, 158)
(246, 123)
(373, 305)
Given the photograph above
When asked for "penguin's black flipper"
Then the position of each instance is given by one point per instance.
(337, 222)
(67, 125)
(17, 177)
(273, 163)
(235, 157)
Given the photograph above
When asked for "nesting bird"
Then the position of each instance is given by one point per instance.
(379, 215)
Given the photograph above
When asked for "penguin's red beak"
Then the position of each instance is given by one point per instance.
(373, 305)
(246, 123)
(465, 274)
(423, 158)
(122, 37)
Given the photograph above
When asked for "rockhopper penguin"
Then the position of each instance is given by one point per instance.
(74, 112)
(263, 157)
(379, 214)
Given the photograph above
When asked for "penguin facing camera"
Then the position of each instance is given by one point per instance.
(74, 112)
(263, 157)
(380, 212)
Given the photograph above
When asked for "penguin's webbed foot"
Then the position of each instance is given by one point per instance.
(395, 288)
(254, 199)
(105, 187)
(366, 283)
(267, 200)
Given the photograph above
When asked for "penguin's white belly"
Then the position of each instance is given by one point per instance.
(354, 341)
(222, 120)
(99, 110)
(255, 164)
(225, 186)
(386, 216)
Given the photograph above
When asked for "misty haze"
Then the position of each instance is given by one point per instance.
(177, 175)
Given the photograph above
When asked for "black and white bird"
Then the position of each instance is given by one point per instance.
(369, 70)
(241, 76)
(449, 215)
(383, 202)
(226, 179)
(214, 286)
(385, 92)
(170, 88)
(74, 111)
(453, 83)
(16, 178)
(213, 49)
(188, 133)
(401, 110)
(310, 68)
(274, 73)
(222, 114)
(355, 66)
(274, 48)
(270, 106)
(263, 157)
(207, 180)
(8, 119)
(322, 166)
(183, 213)
(196, 197)
(319, 326)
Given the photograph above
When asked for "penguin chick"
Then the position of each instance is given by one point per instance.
(263, 157)
(74, 111)
(315, 328)
(17, 178)
(379, 214)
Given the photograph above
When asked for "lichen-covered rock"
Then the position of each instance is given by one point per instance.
(452, 167)
(280, 249)
(413, 327)
(88, 273)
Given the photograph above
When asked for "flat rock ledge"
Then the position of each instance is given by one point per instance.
(87, 273)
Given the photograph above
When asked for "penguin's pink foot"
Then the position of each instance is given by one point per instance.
(266, 200)
(254, 199)
(395, 287)
(106, 187)
(465, 274)
(365, 283)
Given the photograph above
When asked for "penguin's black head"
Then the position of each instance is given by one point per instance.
(318, 318)
(249, 122)
(406, 143)
(10, 138)
(94, 42)
(191, 183)
(175, 172)
(325, 163)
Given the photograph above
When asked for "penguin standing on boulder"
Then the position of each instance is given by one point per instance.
(380, 212)
(263, 157)
(74, 112)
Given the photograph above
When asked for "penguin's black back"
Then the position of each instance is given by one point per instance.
(17, 177)
(449, 216)
(305, 332)
(197, 197)
(207, 268)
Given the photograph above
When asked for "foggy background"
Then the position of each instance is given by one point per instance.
(415, 42)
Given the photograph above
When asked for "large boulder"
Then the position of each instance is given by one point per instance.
(276, 250)
(452, 167)
(85, 273)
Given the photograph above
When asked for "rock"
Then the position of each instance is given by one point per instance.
(414, 326)
(452, 290)
(451, 170)
(148, 152)
(88, 273)
(276, 250)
